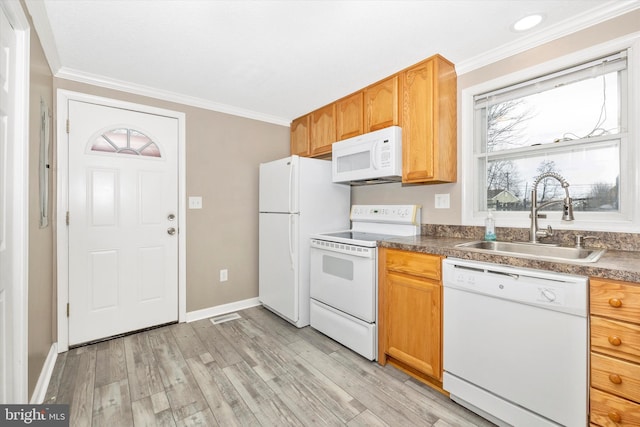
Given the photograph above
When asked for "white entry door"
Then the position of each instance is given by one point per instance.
(123, 221)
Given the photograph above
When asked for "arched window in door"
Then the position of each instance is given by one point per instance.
(126, 141)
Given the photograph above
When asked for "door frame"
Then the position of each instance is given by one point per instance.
(62, 239)
(20, 204)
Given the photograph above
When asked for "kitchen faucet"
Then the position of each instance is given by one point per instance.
(567, 211)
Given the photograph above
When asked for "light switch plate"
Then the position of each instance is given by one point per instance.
(195, 202)
(442, 201)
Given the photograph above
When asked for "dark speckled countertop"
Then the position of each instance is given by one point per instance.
(614, 263)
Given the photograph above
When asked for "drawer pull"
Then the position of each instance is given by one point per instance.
(615, 378)
(615, 340)
(615, 302)
(615, 417)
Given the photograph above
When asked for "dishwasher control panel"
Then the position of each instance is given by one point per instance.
(555, 291)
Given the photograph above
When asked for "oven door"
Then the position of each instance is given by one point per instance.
(345, 278)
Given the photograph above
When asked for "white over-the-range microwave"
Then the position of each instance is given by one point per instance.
(372, 158)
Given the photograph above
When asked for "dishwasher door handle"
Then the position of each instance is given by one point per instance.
(503, 273)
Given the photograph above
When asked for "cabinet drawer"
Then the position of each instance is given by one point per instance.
(608, 410)
(615, 376)
(416, 264)
(619, 339)
(613, 298)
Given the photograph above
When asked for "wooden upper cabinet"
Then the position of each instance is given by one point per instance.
(300, 136)
(350, 116)
(422, 99)
(322, 130)
(429, 120)
(381, 104)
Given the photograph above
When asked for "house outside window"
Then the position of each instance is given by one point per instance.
(574, 121)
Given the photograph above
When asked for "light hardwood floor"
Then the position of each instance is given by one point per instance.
(255, 371)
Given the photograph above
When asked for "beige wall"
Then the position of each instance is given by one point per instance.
(41, 243)
(222, 156)
(425, 194)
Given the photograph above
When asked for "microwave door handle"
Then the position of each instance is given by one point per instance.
(374, 154)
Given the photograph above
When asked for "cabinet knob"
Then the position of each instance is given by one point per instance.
(615, 378)
(615, 302)
(615, 417)
(615, 340)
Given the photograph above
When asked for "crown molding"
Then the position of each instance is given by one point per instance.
(579, 22)
(165, 95)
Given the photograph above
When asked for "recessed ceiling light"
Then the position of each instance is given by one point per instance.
(527, 22)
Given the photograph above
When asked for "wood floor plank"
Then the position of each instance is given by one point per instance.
(203, 418)
(182, 390)
(145, 414)
(263, 402)
(319, 340)
(112, 405)
(188, 342)
(271, 324)
(111, 364)
(78, 391)
(367, 419)
(306, 406)
(369, 396)
(294, 369)
(142, 369)
(215, 343)
(222, 410)
(242, 413)
(234, 334)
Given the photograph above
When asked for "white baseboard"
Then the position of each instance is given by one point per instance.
(40, 391)
(205, 313)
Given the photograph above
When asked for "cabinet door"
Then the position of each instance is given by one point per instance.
(381, 102)
(300, 136)
(429, 141)
(413, 323)
(349, 120)
(323, 130)
(417, 124)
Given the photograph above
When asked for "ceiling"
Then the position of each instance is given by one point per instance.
(277, 60)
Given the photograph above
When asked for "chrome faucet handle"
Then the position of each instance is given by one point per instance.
(580, 240)
(545, 233)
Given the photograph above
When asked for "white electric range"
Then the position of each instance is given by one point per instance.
(344, 274)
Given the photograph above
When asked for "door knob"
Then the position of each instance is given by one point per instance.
(171, 217)
(171, 231)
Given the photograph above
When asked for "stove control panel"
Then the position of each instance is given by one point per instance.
(392, 214)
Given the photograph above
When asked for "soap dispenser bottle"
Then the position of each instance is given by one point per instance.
(489, 227)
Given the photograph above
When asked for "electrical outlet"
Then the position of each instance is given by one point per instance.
(224, 275)
(442, 201)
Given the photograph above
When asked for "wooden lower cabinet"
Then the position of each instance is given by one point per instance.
(615, 353)
(410, 313)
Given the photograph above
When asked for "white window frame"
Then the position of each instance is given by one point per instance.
(583, 220)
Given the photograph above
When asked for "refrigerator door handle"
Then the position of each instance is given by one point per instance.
(291, 166)
(291, 241)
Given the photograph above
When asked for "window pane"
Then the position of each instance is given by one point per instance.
(586, 108)
(593, 173)
(126, 141)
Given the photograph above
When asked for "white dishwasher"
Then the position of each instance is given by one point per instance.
(516, 343)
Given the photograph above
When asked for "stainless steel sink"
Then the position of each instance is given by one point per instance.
(535, 250)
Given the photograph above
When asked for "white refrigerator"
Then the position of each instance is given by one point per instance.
(297, 198)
